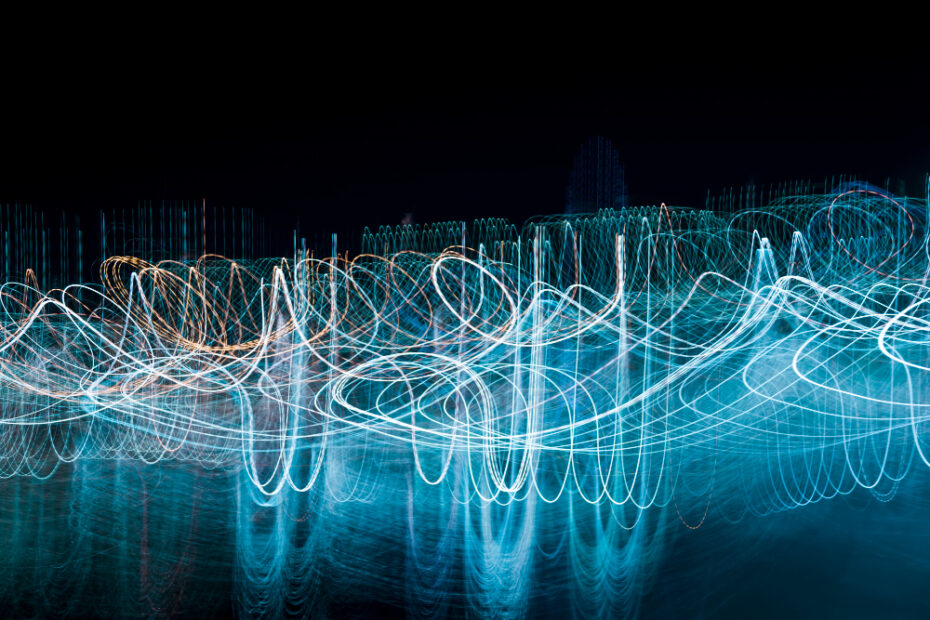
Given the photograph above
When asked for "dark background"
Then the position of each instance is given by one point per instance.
(338, 145)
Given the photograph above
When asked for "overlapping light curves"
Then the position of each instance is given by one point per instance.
(684, 362)
(795, 333)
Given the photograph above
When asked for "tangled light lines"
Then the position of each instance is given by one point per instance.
(463, 412)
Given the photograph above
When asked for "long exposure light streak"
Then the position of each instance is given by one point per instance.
(466, 408)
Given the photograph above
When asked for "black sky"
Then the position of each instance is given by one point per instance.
(340, 148)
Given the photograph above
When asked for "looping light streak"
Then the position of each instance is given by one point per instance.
(629, 362)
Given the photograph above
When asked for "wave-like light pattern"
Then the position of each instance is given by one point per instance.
(447, 427)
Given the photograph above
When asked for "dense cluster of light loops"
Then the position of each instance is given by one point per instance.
(649, 356)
